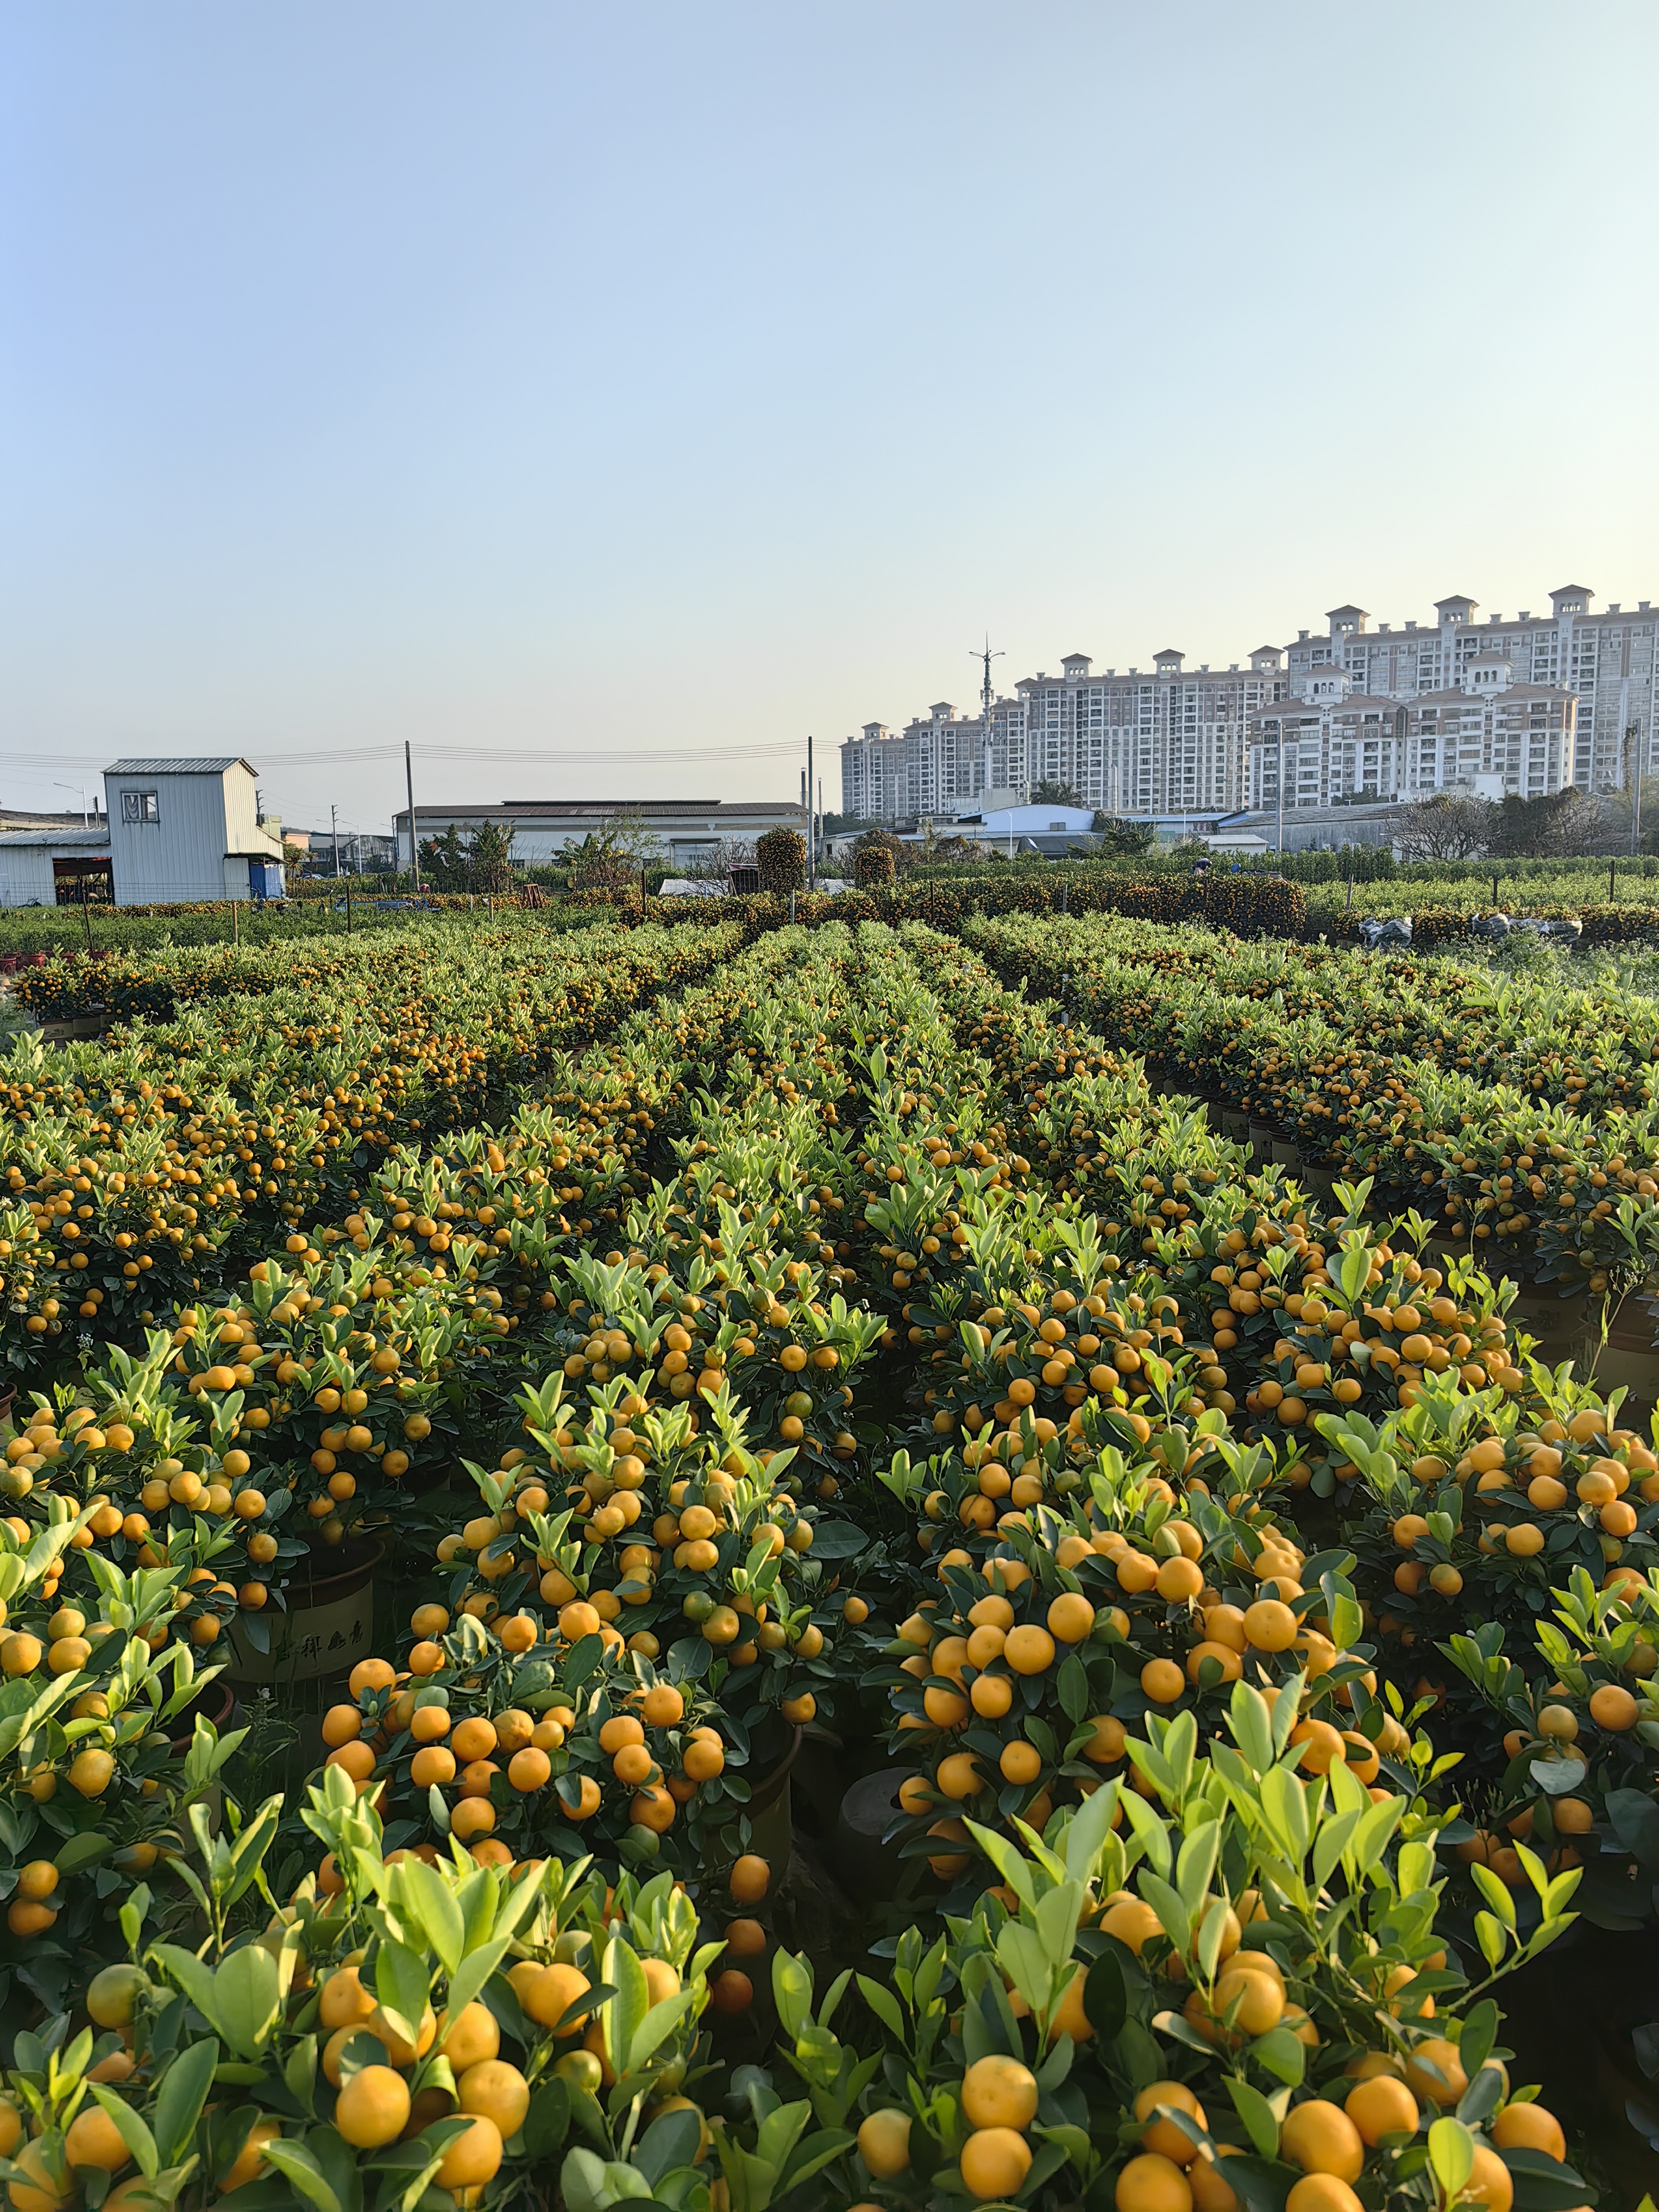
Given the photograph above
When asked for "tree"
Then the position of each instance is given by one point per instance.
(1129, 841)
(609, 858)
(490, 859)
(443, 861)
(1450, 825)
(1052, 793)
(482, 863)
(883, 841)
(781, 856)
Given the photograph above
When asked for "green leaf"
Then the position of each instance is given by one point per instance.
(1106, 1996)
(1178, 2029)
(420, 2159)
(133, 2133)
(434, 1902)
(1284, 1806)
(779, 2132)
(1483, 2096)
(1475, 2045)
(1282, 2054)
(1490, 1935)
(1496, 1893)
(476, 1969)
(624, 2012)
(1072, 1685)
(792, 1991)
(1151, 1832)
(812, 2156)
(1249, 1719)
(1211, 1930)
(248, 1997)
(1057, 1916)
(300, 2167)
(300, 2073)
(402, 1985)
(657, 2027)
(1014, 1870)
(1451, 2154)
(1376, 1824)
(1256, 2113)
(1416, 1867)
(132, 1915)
(1021, 1953)
(1089, 1828)
(668, 2142)
(548, 2121)
(179, 2102)
(82, 1851)
(1196, 1863)
(885, 2005)
(1171, 1911)
(196, 1980)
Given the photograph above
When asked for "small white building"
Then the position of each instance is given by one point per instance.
(1018, 822)
(177, 832)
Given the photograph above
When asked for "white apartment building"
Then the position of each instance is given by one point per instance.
(1606, 661)
(1171, 740)
(1488, 733)
(1166, 740)
(939, 763)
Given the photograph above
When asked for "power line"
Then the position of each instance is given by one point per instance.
(495, 756)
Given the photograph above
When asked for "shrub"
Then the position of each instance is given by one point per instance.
(1275, 1975)
(95, 1707)
(781, 856)
(546, 1744)
(1581, 1771)
(1130, 1601)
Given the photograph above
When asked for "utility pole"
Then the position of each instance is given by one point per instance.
(811, 825)
(334, 832)
(414, 841)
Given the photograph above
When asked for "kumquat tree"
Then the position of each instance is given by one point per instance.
(945, 1546)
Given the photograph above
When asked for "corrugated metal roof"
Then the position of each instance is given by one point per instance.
(216, 766)
(95, 841)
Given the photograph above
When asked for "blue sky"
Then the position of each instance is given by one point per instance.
(528, 379)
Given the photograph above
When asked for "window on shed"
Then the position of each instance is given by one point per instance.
(140, 806)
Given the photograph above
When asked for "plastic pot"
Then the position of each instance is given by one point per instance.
(327, 1626)
(771, 1815)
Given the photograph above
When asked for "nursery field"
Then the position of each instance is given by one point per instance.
(966, 1558)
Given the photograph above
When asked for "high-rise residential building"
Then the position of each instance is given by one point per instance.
(1164, 740)
(1606, 661)
(1172, 740)
(1487, 734)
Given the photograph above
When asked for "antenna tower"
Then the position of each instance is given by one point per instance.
(984, 654)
